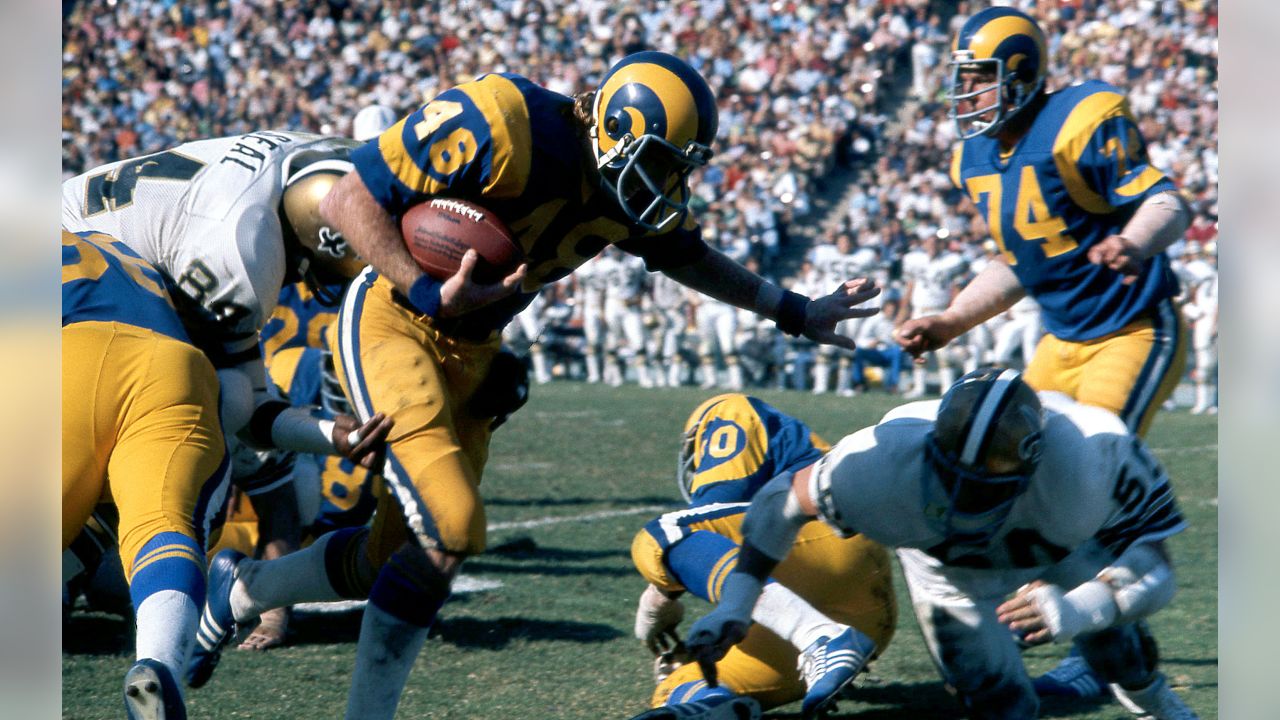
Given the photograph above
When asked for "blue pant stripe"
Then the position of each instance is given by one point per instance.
(211, 504)
(1161, 358)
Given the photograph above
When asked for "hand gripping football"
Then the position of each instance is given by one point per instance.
(441, 230)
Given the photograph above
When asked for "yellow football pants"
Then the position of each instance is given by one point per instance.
(140, 429)
(1130, 372)
(849, 580)
(390, 359)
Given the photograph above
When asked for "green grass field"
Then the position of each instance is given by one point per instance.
(570, 480)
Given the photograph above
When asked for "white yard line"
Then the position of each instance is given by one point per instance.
(1192, 449)
(588, 517)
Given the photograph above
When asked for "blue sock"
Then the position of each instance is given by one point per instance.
(702, 561)
(398, 593)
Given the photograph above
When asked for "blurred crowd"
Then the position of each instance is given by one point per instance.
(809, 93)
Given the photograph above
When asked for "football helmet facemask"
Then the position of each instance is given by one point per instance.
(1007, 46)
(984, 447)
(654, 119)
(309, 175)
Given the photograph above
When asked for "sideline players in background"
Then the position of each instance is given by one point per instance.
(140, 428)
(569, 177)
(986, 494)
(733, 444)
(1082, 220)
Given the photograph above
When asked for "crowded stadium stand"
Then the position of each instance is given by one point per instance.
(833, 121)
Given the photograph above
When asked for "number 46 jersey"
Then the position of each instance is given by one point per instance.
(206, 214)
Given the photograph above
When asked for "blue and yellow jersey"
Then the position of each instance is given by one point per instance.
(104, 281)
(740, 443)
(1075, 178)
(513, 147)
(300, 320)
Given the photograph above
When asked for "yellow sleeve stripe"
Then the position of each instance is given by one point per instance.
(721, 570)
(955, 165)
(1147, 178)
(502, 105)
(823, 446)
(401, 163)
(1074, 138)
(180, 551)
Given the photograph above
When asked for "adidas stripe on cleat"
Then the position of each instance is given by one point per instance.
(217, 624)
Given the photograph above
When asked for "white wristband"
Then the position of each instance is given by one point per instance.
(1088, 608)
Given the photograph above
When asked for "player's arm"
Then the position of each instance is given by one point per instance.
(394, 172)
(1159, 221)
(250, 409)
(717, 276)
(1137, 584)
(1111, 160)
(773, 520)
(990, 293)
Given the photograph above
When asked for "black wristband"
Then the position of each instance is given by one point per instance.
(791, 313)
(264, 416)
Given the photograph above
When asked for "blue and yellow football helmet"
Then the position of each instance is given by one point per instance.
(1005, 42)
(654, 121)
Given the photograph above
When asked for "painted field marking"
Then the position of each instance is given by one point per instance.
(589, 517)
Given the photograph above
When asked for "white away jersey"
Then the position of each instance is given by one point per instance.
(593, 278)
(1095, 481)
(625, 279)
(206, 214)
(933, 277)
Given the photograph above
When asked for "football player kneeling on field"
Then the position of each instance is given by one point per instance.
(823, 614)
(992, 491)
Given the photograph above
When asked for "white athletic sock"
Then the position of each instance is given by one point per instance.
(384, 656)
(791, 618)
(821, 377)
(166, 629)
(540, 372)
(263, 585)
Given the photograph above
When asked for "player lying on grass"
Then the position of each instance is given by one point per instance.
(733, 444)
(985, 494)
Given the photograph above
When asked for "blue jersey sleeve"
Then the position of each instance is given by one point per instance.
(1116, 165)
(471, 141)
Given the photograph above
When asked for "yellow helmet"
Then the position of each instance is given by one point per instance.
(1010, 44)
(654, 120)
(309, 175)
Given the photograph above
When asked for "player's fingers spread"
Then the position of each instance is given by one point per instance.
(859, 312)
(860, 294)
